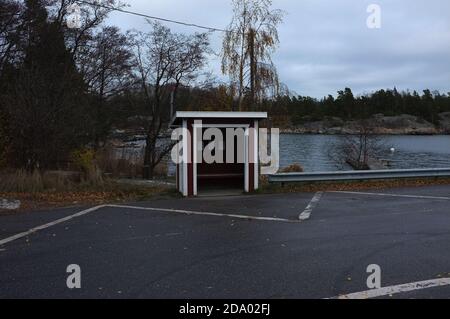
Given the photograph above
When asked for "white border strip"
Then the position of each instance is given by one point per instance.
(195, 127)
(391, 195)
(188, 212)
(247, 160)
(306, 214)
(185, 159)
(256, 155)
(239, 115)
(392, 290)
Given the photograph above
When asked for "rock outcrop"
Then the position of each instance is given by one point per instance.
(395, 125)
(445, 122)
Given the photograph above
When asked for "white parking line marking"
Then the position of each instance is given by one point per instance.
(93, 209)
(392, 290)
(188, 212)
(306, 214)
(56, 222)
(392, 195)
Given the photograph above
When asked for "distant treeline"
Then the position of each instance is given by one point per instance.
(288, 109)
(391, 102)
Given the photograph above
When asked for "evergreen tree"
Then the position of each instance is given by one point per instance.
(46, 100)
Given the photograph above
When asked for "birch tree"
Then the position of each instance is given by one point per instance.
(251, 39)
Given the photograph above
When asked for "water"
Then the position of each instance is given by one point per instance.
(312, 151)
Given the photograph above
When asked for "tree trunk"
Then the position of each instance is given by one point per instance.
(251, 40)
(148, 171)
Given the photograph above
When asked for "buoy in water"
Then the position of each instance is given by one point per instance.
(392, 150)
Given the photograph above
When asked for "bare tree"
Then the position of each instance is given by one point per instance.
(247, 47)
(10, 18)
(92, 16)
(164, 61)
(361, 150)
(189, 60)
(106, 64)
(13, 34)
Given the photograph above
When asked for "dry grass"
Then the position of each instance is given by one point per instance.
(351, 186)
(111, 192)
(62, 188)
(22, 181)
(125, 163)
(90, 182)
(36, 181)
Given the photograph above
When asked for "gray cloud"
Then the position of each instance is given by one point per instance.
(326, 45)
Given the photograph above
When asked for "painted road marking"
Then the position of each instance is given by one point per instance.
(306, 214)
(392, 195)
(56, 222)
(392, 290)
(188, 212)
(176, 211)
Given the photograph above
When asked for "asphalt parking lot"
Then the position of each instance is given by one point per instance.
(235, 247)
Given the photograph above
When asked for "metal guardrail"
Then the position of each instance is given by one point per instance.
(358, 175)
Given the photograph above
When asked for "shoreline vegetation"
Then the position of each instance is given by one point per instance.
(118, 192)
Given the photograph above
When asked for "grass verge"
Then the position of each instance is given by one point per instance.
(350, 185)
(110, 192)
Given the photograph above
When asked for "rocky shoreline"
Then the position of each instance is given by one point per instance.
(384, 125)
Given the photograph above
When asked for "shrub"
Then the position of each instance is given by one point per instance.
(294, 168)
(84, 160)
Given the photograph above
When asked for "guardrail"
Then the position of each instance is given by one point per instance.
(358, 175)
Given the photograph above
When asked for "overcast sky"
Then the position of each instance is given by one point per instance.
(326, 44)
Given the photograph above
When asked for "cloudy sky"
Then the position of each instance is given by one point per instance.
(326, 44)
